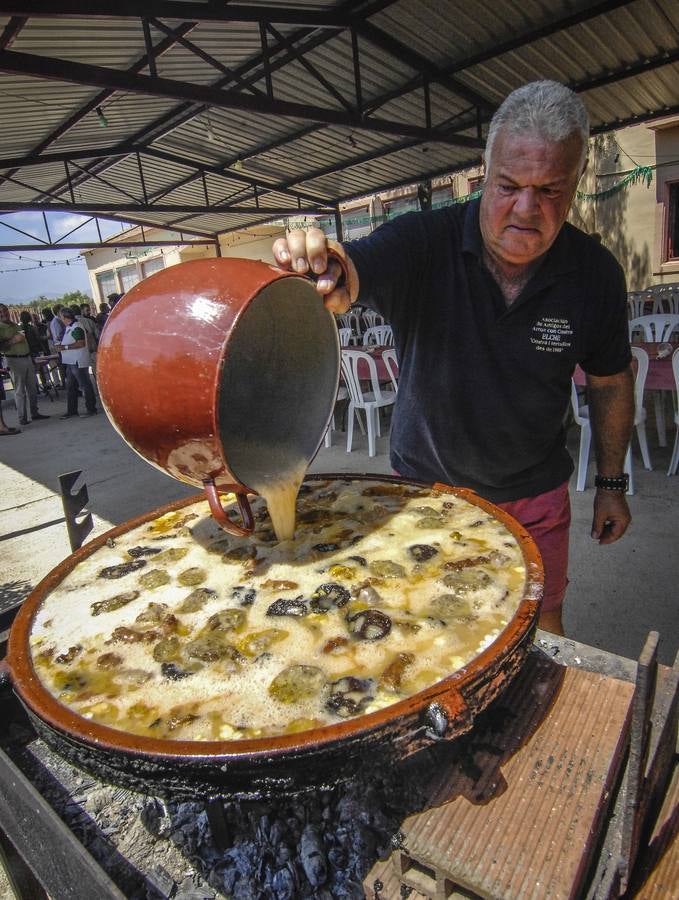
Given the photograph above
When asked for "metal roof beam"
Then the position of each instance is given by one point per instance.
(160, 209)
(103, 245)
(415, 60)
(167, 9)
(516, 42)
(11, 31)
(201, 54)
(667, 57)
(219, 171)
(71, 72)
(188, 111)
(43, 159)
(85, 110)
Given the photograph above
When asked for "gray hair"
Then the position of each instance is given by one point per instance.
(544, 108)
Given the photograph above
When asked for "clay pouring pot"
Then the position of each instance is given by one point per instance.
(222, 373)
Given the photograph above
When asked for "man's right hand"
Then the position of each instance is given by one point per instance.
(306, 252)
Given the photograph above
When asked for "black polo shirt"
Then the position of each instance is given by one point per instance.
(484, 388)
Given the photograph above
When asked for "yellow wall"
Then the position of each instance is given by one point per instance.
(631, 220)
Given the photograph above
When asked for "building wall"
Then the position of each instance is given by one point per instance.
(250, 243)
(632, 220)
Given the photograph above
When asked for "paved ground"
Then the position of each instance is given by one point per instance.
(617, 593)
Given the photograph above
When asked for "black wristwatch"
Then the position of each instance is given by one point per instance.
(614, 483)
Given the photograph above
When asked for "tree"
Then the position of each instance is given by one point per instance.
(74, 298)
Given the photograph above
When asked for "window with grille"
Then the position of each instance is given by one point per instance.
(152, 265)
(129, 276)
(106, 282)
(673, 221)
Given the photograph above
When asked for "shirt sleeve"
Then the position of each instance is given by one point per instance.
(78, 334)
(390, 263)
(608, 351)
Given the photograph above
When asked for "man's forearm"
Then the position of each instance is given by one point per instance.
(611, 406)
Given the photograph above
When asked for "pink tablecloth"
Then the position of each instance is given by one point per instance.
(660, 376)
(376, 354)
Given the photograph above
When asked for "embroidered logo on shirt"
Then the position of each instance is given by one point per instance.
(552, 335)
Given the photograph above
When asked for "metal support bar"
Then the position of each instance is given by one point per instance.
(74, 503)
(149, 46)
(69, 182)
(339, 231)
(56, 860)
(265, 60)
(141, 179)
(357, 71)
(101, 76)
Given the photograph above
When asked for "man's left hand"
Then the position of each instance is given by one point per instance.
(611, 516)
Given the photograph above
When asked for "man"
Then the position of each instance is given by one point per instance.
(14, 347)
(56, 326)
(492, 304)
(76, 358)
(92, 331)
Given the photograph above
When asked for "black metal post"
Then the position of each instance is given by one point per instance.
(74, 504)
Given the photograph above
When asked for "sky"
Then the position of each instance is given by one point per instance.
(22, 277)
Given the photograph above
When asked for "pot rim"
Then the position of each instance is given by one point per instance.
(43, 704)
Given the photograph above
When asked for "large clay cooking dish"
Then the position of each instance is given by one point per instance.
(289, 763)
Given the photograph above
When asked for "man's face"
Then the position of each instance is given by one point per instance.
(86, 310)
(527, 195)
(66, 319)
(4, 313)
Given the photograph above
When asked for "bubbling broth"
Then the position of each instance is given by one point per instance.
(178, 631)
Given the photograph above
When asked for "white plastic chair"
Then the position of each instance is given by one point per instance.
(371, 400)
(344, 336)
(352, 321)
(581, 416)
(655, 328)
(674, 460)
(371, 318)
(636, 303)
(391, 363)
(381, 335)
(342, 394)
(665, 298)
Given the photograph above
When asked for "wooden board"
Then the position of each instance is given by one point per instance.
(518, 811)
(660, 863)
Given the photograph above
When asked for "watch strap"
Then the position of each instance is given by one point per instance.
(612, 483)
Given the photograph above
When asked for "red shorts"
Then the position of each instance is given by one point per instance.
(547, 518)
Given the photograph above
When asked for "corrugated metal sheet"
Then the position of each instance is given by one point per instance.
(623, 57)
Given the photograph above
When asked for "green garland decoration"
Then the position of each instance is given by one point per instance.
(640, 173)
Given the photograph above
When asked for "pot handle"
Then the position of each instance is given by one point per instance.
(337, 252)
(220, 515)
(447, 717)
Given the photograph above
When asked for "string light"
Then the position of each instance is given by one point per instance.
(103, 121)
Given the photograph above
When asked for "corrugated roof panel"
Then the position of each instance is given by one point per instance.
(98, 41)
(328, 161)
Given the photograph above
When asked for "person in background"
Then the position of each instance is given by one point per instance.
(76, 358)
(103, 315)
(113, 299)
(35, 346)
(493, 303)
(15, 348)
(91, 330)
(30, 333)
(5, 429)
(56, 325)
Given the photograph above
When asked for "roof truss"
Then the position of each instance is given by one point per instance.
(147, 176)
